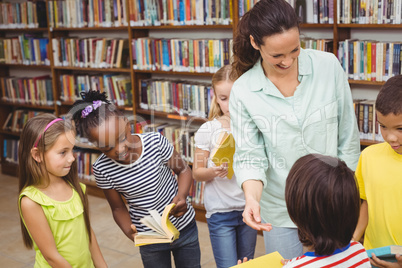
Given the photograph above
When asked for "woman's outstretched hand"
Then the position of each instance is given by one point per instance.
(251, 216)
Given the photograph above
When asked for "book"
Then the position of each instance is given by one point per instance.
(224, 151)
(272, 260)
(386, 253)
(163, 229)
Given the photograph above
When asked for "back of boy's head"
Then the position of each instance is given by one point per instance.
(87, 116)
(30, 171)
(389, 99)
(323, 201)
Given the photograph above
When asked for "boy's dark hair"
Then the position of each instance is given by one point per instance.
(266, 18)
(97, 116)
(389, 100)
(322, 199)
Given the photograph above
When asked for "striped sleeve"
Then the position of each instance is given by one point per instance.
(165, 148)
(101, 180)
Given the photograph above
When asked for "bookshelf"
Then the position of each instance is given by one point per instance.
(111, 27)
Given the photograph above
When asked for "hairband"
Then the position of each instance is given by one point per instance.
(48, 125)
(90, 108)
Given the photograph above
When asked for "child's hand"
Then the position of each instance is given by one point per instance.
(134, 231)
(181, 206)
(244, 260)
(385, 264)
(284, 261)
(221, 171)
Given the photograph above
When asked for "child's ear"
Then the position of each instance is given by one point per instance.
(36, 155)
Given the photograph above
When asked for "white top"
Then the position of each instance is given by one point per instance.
(220, 194)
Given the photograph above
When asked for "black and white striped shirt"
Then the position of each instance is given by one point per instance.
(147, 183)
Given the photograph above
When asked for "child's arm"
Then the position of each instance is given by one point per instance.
(39, 229)
(96, 253)
(185, 179)
(200, 170)
(362, 223)
(120, 213)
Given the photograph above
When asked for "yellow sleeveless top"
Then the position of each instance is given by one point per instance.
(66, 221)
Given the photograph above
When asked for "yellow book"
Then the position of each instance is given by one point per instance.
(224, 151)
(163, 229)
(272, 260)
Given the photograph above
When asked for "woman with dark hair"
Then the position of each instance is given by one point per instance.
(286, 102)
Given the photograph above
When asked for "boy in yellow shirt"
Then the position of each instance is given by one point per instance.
(379, 175)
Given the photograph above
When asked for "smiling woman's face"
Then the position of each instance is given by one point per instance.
(280, 51)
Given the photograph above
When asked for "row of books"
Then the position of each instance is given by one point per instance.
(370, 60)
(29, 14)
(91, 52)
(85, 160)
(181, 97)
(370, 11)
(180, 137)
(180, 12)
(196, 193)
(36, 90)
(181, 55)
(117, 87)
(319, 44)
(366, 117)
(87, 13)
(10, 150)
(28, 49)
(17, 119)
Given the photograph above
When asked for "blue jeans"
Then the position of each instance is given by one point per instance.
(284, 240)
(231, 238)
(186, 251)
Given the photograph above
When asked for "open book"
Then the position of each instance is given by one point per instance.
(271, 260)
(386, 253)
(224, 151)
(163, 229)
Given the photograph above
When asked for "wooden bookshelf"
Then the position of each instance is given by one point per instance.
(340, 32)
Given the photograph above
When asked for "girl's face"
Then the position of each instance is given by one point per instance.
(60, 156)
(222, 92)
(113, 138)
(279, 52)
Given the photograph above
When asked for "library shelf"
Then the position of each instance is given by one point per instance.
(183, 27)
(372, 26)
(172, 116)
(23, 30)
(9, 168)
(174, 73)
(30, 66)
(10, 133)
(81, 29)
(103, 70)
(364, 82)
(368, 142)
(25, 105)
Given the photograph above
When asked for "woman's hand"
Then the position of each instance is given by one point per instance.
(221, 171)
(251, 216)
(374, 260)
(181, 206)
